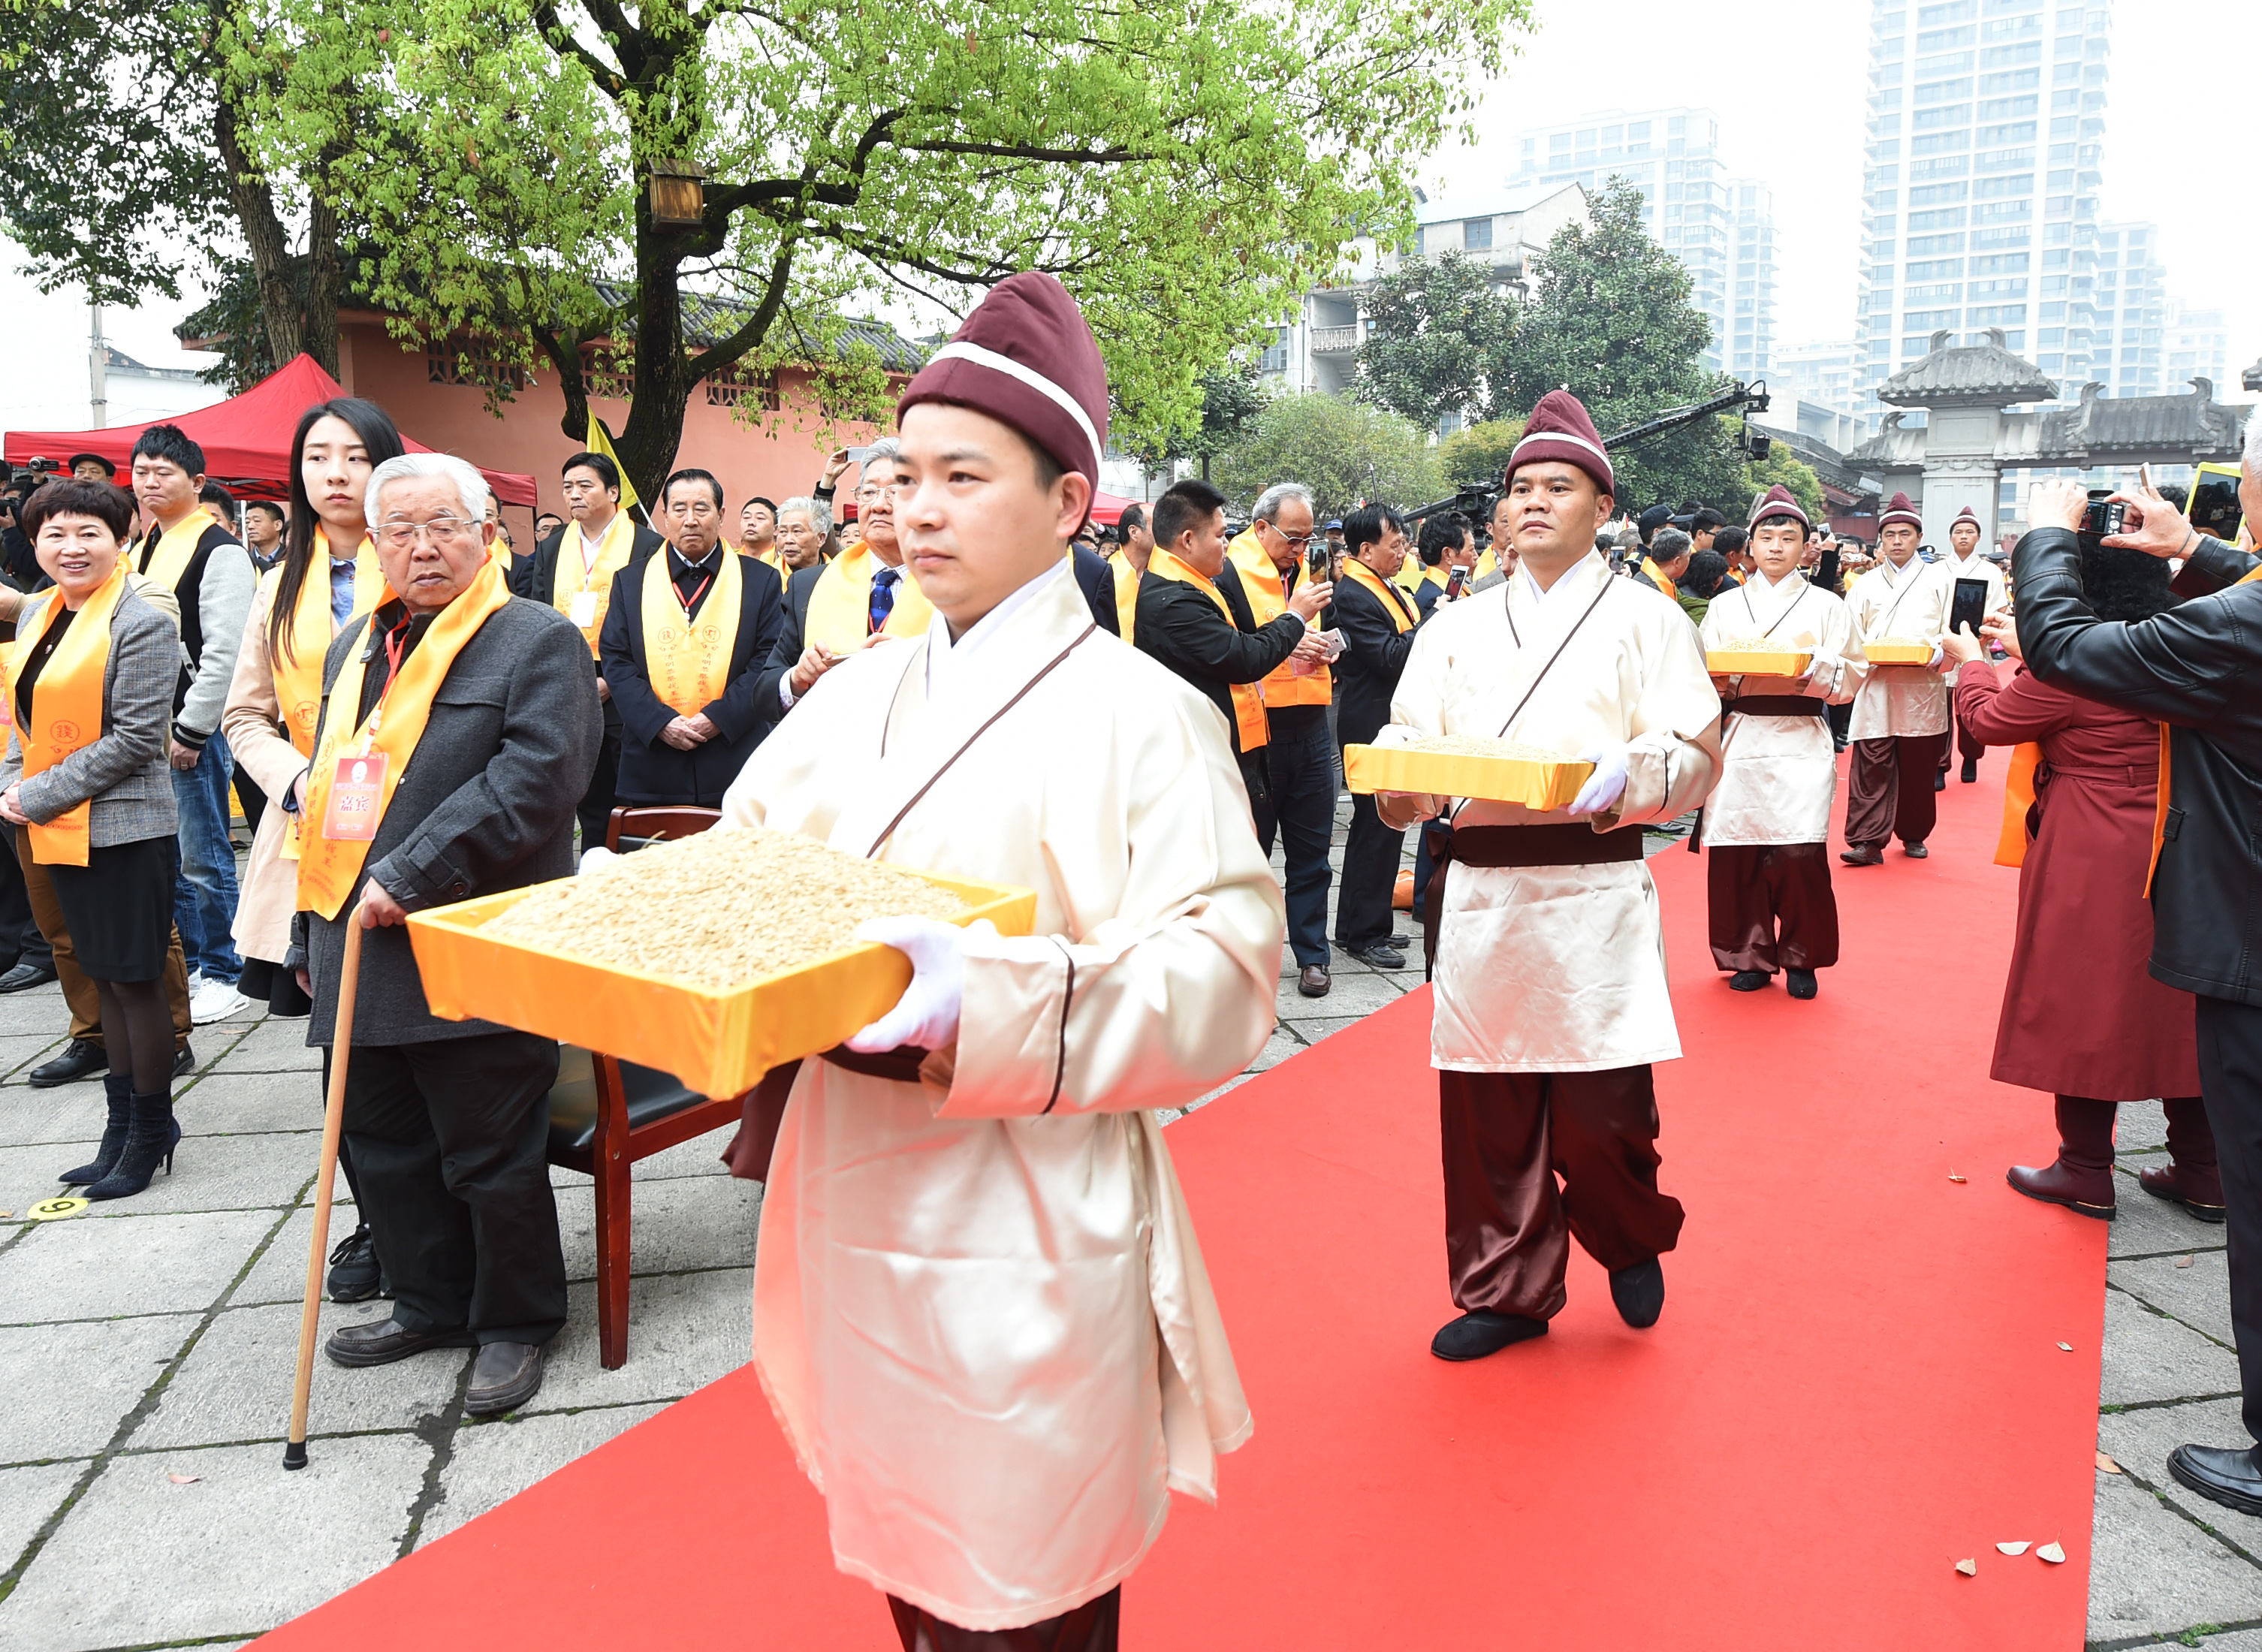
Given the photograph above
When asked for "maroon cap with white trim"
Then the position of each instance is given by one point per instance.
(1560, 429)
(1026, 357)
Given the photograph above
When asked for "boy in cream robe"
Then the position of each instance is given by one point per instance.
(980, 1313)
(1899, 726)
(1551, 1000)
(1768, 825)
(1965, 562)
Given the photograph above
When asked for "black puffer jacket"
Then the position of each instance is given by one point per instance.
(2197, 668)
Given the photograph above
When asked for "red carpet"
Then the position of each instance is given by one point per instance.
(1856, 1383)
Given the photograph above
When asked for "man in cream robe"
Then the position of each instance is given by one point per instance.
(980, 1312)
(1551, 1000)
(1899, 726)
(1768, 825)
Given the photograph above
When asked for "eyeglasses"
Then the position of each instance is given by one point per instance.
(440, 530)
(1298, 539)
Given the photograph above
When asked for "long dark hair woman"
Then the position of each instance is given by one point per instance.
(86, 787)
(2082, 1019)
(328, 571)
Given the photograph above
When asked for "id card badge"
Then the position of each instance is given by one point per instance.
(356, 799)
(584, 612)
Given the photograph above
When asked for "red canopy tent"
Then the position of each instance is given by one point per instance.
(1107, 509)
(246, 439)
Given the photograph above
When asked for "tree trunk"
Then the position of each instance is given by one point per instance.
(661, 389)
(271, 246)
(325, 278)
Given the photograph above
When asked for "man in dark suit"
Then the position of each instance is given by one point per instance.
(571, 571)
(1377, 622)
(1097, 580)
(1194, 617)
(680, 743)
(446, 1120)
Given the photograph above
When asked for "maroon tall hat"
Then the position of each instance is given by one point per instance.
(1900, 511)
(1560, 429)
(1967, 514)
(1026, 358)
(1779, 501)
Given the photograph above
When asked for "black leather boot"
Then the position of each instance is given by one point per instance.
(151, 1135)
(113, 1133)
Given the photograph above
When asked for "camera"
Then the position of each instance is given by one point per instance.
(2105, 515)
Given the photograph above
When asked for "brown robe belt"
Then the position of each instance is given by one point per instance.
(749, 1155)
(1776, 706)
(1517, 846)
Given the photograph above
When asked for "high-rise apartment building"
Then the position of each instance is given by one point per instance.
(2197, 346)
(2130, 312)
(1986, 127)
(1721, 227)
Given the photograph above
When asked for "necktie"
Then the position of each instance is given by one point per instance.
(884, 596)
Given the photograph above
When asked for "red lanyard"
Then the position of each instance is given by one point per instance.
(694, 597)
(396, 643)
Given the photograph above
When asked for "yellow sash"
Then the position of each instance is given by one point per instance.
(1126, 593)
(1250, 723)
(329, 867)
(689, 661)
(2160, 806)
(66, 707)
(299, 670)
(170, 560)
(1359, 573)
(771, 560)
(573, 574)
(840, 605)
(1267, 591)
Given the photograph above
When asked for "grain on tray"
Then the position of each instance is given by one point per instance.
(720, 909)
(1751, 645)
(1895, 641)
(1477, 745)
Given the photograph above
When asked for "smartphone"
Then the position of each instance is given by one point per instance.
(2213, 506)
(857, 456)
(1315, 559)
(2144, 478)
(1968, 607)
(1460, 578)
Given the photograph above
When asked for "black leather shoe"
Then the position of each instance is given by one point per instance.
(1376, 955)
(185, 1062)
(2224, 1474)
(81, 1059)
(1749, 981)
(24, 977)
(1862, 855)
(1970, 770)
(381, 1342)
(355, 1275)
(504, 1377)
(1801, 983)
(1940, 780)
(1639, 1293)
(1915, 851)
(1314, 981)
(1482, 1332)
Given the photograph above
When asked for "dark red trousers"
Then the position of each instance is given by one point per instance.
(1967, 744)
(1758, 889)
(1507, 1137)
(1093, 1626)
(1888, 789)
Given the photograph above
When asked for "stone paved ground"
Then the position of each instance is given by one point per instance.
(146, 1350)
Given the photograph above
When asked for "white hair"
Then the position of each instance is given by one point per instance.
(819, 513)
(887, 448)
(470, 486)
(1269, 502)
(2254, 444)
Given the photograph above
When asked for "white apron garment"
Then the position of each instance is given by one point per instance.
(1910, 604)
(980, 1316)
(1561, 969)
(1779, 775)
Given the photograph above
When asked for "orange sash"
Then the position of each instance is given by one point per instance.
(66, 708)
(330, 867)
(690, 660)
(1649, 566)
(299, 671)
(589, 584)
(2018, 798)
(167, 560)
(1126, 593)
(1293, 682)
(1250, 723)
(840, 604)
(1358, 574)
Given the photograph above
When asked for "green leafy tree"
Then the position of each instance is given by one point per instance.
(1610, 317)
(1232, 396)
(1345, 451)
(1439, 336)
(1184, 166)
(1476, 456)
(1784, 468)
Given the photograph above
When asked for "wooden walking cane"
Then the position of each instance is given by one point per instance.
(333, 1117)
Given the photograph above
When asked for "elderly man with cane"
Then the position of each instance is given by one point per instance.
(458, 728)
(2188, 669)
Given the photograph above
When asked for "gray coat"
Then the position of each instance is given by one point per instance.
(124, 773)
(485, 803)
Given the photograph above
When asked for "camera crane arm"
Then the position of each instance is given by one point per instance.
(1753, 397)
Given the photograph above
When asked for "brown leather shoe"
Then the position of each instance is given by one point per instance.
(2198, 1189)
(504, 1377)
(1314, 981)
(1862, 855)
(2089, 1192)
(382, 1341)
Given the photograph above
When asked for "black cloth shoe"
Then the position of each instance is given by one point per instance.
(1749, 981)
(1970, 770)
(113, 1134)
(24, 977)
(504, 1377)
(381, 1342)
(1375, 955)
(1862, 855)
(2224, 1473)
(355, 1275)
(1639, 1293)
(1480, 1332)
(1801, 982)
(1313, 981)
(184, 1063)
(81, 1059)
(1915, 851)
(1940, 780)
(152, 1132)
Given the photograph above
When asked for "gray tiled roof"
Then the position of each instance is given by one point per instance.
(2105, 428)
(1982, 374)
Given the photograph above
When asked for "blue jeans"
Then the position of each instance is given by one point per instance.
(204, 895)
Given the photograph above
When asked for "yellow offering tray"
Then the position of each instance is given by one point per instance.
(1753, 662)
(717, 1042)
(1542, 783)
(1894, 651)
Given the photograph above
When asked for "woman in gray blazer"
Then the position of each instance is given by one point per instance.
(85, 786)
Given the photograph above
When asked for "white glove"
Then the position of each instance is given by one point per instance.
(1938, 655)
(926, 1016)
(598, 859)
(1606, 785)
(1822, 666)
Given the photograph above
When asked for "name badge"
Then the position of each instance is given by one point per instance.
(584, 612)
(356, 799)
